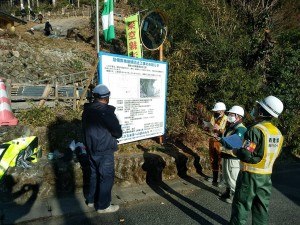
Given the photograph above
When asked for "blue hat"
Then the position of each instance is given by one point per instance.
(101, 90)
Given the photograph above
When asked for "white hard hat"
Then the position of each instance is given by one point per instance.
(101, 90)
(237, 110)
(219, 106)
(272, 105)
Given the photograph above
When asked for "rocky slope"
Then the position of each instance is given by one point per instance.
(27, 57)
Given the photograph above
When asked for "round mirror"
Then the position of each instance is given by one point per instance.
(153, 30)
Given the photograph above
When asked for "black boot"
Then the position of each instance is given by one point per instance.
(215, 177)
(225, 194)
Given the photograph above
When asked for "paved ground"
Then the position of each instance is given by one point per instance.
(74, 204)
(189, 200)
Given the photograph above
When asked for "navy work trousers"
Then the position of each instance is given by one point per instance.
(101, 180)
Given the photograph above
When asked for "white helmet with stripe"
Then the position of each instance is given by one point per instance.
(272, 105)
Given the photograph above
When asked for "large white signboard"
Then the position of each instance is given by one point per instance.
(138, 91)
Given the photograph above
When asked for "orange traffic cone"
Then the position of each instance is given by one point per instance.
(7, 118)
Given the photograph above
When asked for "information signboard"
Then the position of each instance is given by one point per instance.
(138, 91)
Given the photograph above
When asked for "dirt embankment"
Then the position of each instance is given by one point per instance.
(29, 56)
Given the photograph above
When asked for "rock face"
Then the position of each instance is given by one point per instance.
(27, 56)
(70, 173)
(140, 162)
(23, 63)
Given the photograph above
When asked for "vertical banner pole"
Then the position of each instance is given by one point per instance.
(161, 138)
(97, 26)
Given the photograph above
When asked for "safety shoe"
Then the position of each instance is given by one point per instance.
(228, 200)
(220, 184)
(225, 194)
(109, 209)
(215, 183)
(209, 179)
(91, 205)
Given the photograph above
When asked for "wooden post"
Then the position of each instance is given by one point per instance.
(75, 95)
(56, 93)
(88, 83)
(161, 138)
(161, 53)
(46, 93)
(8, 89)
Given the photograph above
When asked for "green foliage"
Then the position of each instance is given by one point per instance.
(215, 53)
(283, 82)
(182, 86)
(63, 124)
(76, 64)
(43, 116)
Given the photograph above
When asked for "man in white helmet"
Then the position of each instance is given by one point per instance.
(230, 163)
(218, 120)
(101, 128)
(261, 147)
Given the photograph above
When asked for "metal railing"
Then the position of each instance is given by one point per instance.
(44, 94)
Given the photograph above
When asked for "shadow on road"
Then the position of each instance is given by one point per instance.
(23, 209)
(60, 132)
(154, 165)
(181, 162)
(285, 178)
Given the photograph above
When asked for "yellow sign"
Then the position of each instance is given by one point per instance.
(133, 36)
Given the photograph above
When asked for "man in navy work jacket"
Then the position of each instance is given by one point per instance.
(101, 129)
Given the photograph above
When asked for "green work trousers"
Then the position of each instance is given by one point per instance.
(252, 193)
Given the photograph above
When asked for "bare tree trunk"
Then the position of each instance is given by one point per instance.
(37, 3)
(54, 2)
(22, 3)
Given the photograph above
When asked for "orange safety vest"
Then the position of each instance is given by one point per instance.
(273, 140)
(221, 123)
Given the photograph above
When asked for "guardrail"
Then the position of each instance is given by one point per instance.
(25, 96)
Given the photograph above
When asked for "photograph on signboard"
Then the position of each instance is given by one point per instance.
(149, 88)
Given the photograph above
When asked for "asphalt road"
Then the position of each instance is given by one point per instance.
(199, 205)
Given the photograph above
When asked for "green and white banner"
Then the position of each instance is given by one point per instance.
(108, 20)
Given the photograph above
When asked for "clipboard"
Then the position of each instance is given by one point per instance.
(234, 141)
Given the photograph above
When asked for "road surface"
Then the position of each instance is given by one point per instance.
(198, 205)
